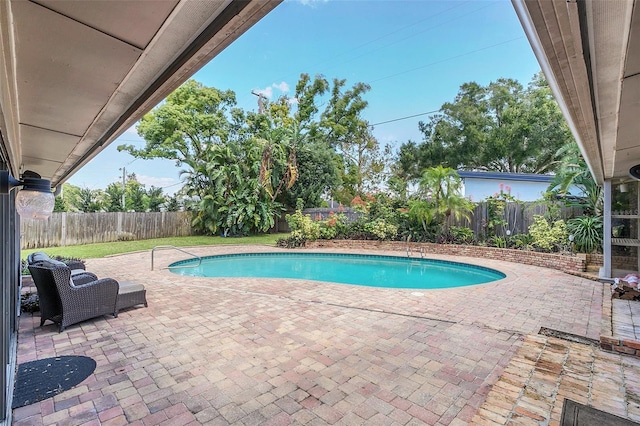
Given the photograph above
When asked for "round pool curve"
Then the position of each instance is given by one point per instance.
(357, 269)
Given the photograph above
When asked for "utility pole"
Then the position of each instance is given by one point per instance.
(260, 101)
(124, 172)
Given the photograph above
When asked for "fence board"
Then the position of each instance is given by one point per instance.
(519, 216)
(86, 228)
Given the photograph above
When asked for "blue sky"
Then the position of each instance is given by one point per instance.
(413, 54)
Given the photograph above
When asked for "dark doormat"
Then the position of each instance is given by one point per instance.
(44, 378)
(574, 414)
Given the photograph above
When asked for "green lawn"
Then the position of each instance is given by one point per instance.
(89, 251)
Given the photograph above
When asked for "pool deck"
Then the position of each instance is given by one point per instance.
(276, 351)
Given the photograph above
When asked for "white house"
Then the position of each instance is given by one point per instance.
(477, 186)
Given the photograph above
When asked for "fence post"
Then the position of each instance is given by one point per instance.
(63, 236)
(119, 227)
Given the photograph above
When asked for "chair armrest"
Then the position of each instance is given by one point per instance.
(75, 264)
(103, 288)
(83, 278)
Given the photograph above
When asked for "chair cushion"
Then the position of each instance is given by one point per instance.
(38, 257)
(127, 287)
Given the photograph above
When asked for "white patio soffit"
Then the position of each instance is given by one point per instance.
(74, 75)
(590, 52)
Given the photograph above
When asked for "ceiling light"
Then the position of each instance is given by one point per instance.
(634, 172)
(623, 187)
(35, 200)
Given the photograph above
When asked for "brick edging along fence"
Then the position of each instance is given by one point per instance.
(565, 263)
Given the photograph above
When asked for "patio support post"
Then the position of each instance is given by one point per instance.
(606, 241)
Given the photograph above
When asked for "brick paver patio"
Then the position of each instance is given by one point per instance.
(277, 352)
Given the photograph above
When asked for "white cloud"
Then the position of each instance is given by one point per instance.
(283, 87)
(311, 2)
(267, 92)
(293, 101)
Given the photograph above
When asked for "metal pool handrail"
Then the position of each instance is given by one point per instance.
(153, 250)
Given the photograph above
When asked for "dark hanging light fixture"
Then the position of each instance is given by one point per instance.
(35, 200)
(634, 172)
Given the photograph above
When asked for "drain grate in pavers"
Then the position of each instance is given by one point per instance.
(575, 414)
(568, 336)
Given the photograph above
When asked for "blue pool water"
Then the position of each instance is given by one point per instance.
(366, 270)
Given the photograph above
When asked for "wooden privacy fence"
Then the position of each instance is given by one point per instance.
(68, 229)
(519, 216)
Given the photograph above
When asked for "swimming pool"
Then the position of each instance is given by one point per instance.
(358, 269)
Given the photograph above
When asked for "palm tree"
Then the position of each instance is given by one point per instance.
(573, 172)
(442, 187)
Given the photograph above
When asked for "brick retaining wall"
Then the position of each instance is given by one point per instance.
(571, 264)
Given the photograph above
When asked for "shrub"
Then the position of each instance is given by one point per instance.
(29, 302)
(303, 228)
(290, 242)
(334, 226)
(587, 232)
(461, 235)
(497, 241)
(520, 241)
(126, 236)
(548, 237)
(381, 229)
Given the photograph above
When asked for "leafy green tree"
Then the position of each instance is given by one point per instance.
(89, 200)
(71, 196)
(191, 119)
(173, 203)
(60, 205)
(135, 195)
(499, 127)
(113, 197)
(155, 199)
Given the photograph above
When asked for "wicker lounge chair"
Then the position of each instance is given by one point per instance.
(76, 266)
(66, 302)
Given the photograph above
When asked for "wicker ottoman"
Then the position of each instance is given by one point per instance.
(131, 294)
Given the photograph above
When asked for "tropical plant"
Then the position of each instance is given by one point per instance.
(380, 229)
(548, 237)
(587, 233)
(441, 187)
(303, 228)
(461, 235)
(574, 175)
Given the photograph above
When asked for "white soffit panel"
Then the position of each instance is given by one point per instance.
(44, 167)
(608, 24)
(65, 75)
(42, 143)
(131, 21)
(629, 129)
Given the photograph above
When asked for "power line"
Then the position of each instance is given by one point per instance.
(406, 117)
(471, 52)
(411, 35)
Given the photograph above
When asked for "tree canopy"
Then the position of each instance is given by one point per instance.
(243, 168)
(500, 127)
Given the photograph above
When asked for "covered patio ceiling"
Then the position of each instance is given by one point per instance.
(74, 75)
(590, 52)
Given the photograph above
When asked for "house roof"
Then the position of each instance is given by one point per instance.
(590, 53)
(523, 177)
(74, 75)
